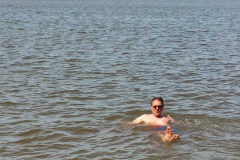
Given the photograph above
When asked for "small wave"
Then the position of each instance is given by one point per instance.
(113, 117)
(8, 103)
(30, 132)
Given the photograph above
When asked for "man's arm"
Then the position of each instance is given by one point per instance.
(171, 120)
(139, 119)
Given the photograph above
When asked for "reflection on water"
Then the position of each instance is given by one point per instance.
(73, 73)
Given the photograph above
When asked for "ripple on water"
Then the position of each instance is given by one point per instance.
(9, 103)
(113, 117)
(79, 129)
(30, 132)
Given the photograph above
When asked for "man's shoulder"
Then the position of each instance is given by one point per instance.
(146, 116)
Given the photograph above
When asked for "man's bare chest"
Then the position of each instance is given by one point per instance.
(157, 121)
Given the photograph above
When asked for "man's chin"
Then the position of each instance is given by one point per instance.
(157, 114)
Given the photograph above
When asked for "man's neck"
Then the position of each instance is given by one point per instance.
(160, 116)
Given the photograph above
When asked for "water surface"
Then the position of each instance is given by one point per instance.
(73, 73)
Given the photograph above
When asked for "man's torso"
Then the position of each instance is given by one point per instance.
(152, 120)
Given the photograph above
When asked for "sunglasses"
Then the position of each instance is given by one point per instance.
(157, 106)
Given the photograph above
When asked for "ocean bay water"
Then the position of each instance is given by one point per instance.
(73, 73)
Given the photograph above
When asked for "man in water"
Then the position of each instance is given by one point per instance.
(156, 119)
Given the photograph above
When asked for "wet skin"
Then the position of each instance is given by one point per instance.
(169, 137)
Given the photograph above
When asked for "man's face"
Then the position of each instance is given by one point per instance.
(157, 108)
